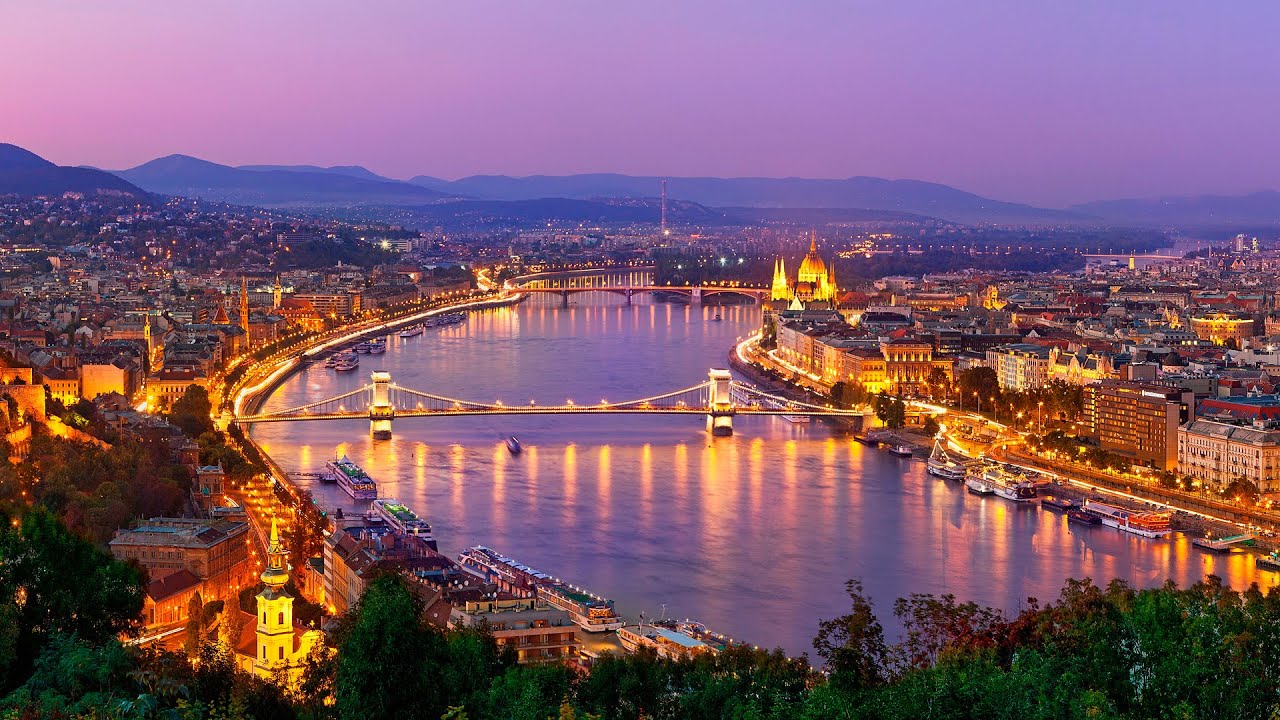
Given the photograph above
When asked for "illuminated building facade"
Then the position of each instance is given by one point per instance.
(1219, 327)
(1217, 453)
(814, 286)
(1137, 420)
(1019, 367)
(212, 555)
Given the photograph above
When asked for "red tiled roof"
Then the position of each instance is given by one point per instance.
(172, 584)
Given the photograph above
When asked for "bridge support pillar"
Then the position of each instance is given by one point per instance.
(720, 419)
(695, 296)
(381, 410)
(564, 299)
(629, 292)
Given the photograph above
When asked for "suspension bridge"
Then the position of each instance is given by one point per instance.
(719, 398)
(695, 293)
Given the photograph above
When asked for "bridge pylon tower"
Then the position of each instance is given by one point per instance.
(720, 418)
(381, 410)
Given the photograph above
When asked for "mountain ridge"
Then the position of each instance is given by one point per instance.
(185, 175)
(859, 192)
(1256, 208)
(23, 172)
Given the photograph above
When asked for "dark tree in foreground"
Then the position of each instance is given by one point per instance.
(55, 583)
(853, 644)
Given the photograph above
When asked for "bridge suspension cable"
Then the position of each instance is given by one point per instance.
(304, 409)
(382, 401)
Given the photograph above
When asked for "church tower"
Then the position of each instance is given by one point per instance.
(277, 294)
(781, 289)
(275, 611)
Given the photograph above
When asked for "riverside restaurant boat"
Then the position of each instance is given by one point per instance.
(378, 346)
(976, 483)
(347, 364)
(1009, 485)
(1144, 524)
(352, 479)
(589, 612)
(400, 518)
(409, 332)
(941, 464)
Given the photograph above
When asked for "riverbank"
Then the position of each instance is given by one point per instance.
(743, 361)
(249, 398)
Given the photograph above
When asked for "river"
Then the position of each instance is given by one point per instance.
(754, 535)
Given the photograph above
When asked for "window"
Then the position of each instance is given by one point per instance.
(281, 652)
(281, 620)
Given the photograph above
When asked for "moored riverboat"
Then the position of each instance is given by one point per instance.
(1077, 515)
(352, 479)
(671, 639)
(1270, 561)
(400, 518)
(1143, 524)
(976, 483)
(941, 464)
(588, 611)
(1056, 503)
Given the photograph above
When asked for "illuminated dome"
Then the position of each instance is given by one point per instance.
(813, 283)
(812, 267)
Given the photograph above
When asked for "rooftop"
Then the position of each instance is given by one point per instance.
(181, 532)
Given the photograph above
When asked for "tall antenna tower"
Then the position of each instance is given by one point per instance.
(664, 230)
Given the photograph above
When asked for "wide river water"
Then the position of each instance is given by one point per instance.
(754, 534)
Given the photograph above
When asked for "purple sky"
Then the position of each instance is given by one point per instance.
(1044, 102)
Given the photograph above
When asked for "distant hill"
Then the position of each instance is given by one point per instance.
(356, 171)
(822, 216)
(909, 196)
(192, 177)
(1260, 208)
(22, 172)
(503, 213)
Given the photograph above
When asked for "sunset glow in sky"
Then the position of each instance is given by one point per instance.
(1044, 102)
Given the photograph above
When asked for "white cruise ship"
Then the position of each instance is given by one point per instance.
(352, 479)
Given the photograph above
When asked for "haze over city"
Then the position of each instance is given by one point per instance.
(1046, 103)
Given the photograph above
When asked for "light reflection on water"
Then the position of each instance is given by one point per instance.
(753, 534)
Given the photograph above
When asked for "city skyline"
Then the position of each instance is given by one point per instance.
(1043, 105)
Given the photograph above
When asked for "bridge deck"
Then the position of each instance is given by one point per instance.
(413, 413)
